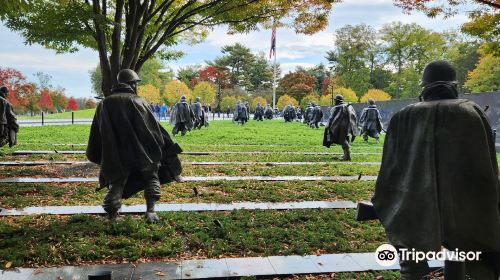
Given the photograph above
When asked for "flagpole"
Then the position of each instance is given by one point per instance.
(274, 79)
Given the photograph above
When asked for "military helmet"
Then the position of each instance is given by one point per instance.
(371, 101)
(339, 97)
(127, 76)
(438, 71)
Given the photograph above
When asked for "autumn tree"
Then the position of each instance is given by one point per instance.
(286, 100)
(150, 93)
(72, 104)
(205, 91)
(59, 99)
(45, 103)
(16, 82)
(256, 101)
(486, 76)
(228, 101)
(127, 33)
(174, 90)
(296, 85)
(348, 94)
(311, 98)
(375, 94)
(320, 72)
(90, 103)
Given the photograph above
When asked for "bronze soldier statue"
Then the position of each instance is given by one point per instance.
(134, 151)
(199, 114)
(8, 121)
(341, 124)
(371, 122)
(240, 113)
(316, 116)
(438, 183)
(259, 113)
(268, 113)
(182, 117)
(308, 114)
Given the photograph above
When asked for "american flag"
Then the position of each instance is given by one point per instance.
(273, 43)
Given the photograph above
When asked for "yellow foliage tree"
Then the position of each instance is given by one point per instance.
(206, 92)
(258, 99)
(174, 90)
(150, 93)
(285, 100)
(314, 98)
(348, 94)
(227, 101)
(486, 76)
(375, 94)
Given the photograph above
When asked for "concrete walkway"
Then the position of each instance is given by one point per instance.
(269, 267)
(181, 207)
(16, 180)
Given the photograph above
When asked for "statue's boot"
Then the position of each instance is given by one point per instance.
(151, 193)
(112, 201)
(347, 153)
(150, 214)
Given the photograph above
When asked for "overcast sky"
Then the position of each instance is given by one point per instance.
(71, 70)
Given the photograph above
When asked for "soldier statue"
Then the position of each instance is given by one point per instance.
(259, 113)
(316, 116)
(247, 107)
(289, 113)
(240, 113)
(371, 122)
(8, 121)
(268, 113)
(133, 150)
(182, 117)
(341, 124)
(298, 114)
(308, 114)
(438, 184)
(199, 114)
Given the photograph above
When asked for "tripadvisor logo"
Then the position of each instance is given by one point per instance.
(387, 255)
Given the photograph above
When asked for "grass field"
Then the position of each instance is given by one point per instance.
(81, 114)
(82, 239)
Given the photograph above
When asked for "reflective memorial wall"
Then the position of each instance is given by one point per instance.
(489, 101)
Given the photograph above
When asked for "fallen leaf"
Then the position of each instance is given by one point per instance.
(159, 273)
(8, 265)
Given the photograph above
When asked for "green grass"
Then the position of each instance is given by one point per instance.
(80, 114)
(53, 240)
(25, 195)
(57, 240)
(197, 170)
(220, 136)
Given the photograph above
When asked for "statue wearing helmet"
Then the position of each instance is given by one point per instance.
(438, 183)
(182, 117)
(8, 120)
(341, 124)
(199, 114)
(134, 151)
(371, 121)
